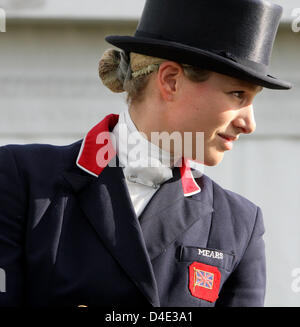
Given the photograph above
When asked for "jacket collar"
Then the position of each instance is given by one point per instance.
(97, 151)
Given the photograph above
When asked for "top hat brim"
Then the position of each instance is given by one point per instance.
(194, 56)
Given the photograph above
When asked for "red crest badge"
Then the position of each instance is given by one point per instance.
(204, 281)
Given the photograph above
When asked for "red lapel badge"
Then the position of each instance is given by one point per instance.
(204, 281)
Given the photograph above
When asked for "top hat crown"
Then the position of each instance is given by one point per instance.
(232, 37)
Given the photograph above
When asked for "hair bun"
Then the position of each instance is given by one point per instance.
(108, 69)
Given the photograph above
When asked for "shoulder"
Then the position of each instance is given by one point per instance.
(237, 202)
(38, 152)
(235, 210)
(34, 150)
(235, 221)
(39, 159)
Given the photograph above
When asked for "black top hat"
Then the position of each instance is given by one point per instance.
(232, 37)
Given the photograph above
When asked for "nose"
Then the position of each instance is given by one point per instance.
(245, 120)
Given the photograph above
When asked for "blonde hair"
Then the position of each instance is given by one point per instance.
(122, 74)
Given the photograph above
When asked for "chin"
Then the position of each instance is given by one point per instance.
(213, 160)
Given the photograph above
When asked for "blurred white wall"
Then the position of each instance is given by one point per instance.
(95, 9)
(73, 9)
(50, 93)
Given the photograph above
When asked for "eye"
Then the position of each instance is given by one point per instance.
(238, 94)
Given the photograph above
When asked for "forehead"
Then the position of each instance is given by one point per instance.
(235, 82)
(247, 85)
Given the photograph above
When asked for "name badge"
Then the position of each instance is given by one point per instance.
(211, 254)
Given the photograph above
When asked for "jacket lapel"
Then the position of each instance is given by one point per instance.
(107, 205)
(169, 214)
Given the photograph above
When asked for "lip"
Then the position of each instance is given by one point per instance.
(227, 141)
(228, 137)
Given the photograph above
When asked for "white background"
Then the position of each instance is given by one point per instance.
(94, 9)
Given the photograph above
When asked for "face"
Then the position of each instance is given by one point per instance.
(219, 107)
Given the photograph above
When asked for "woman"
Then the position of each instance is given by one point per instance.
(119, 218)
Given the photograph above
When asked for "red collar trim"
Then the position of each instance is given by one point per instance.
(189, 185)
(95, 154)
(92, 158)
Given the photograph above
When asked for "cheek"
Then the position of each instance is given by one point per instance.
(209, 109)
(215, 115)
(214, 125)
(209, 113)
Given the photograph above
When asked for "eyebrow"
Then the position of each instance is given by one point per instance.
(251, 88)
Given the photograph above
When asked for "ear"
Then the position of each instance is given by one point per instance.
(168, 79)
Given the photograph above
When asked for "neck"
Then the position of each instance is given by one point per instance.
(150, 123)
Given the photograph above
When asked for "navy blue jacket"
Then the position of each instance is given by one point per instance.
(71, 237)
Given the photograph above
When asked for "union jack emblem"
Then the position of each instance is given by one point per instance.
(203, 279)
(207, 279)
